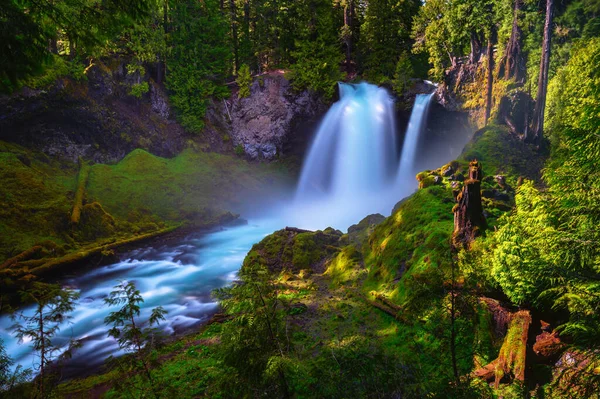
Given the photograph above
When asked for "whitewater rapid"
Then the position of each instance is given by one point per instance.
(178, 277)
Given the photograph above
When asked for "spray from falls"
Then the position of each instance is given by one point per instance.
(352, 168)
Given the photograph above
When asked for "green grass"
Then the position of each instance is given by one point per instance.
(192, 186)
(416, 238)
(35, 199)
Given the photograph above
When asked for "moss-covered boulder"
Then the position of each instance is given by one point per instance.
(359, 233)
(294, 250)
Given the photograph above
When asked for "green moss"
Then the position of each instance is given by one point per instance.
(345, 267)
(35, 199)
(413, 240)
(503, 153)
(195, 186)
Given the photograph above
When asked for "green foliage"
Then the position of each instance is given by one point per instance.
(32, 30)
(317, 53)
(239, 150)
(127, 330)
(130, 336)
(404, 72)
(52, 304)
(385, 36)
(317, 67)
(199, 59)
(445, 30)
(12, 383)
(518, 262)
(139, 89)
(244, 81)
(573, 179)
(254, 343)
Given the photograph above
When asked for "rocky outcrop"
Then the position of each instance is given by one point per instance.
(294, 250)
(468, 212)
(262, 123)
(358, 234)
(95, 118)
(98, 119)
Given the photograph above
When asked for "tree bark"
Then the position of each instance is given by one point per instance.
(513, 64)
(535, 133)
(475, 48)
(234, 34)
(490, 76)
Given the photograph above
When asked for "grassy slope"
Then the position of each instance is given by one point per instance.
(143, 193)
(35, 199)
(184, 187)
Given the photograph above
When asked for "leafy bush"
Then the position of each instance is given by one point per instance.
(244, 81)
(139, 89)
(239, 150)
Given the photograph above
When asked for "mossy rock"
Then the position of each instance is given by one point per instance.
(294, 250)
(358, 234)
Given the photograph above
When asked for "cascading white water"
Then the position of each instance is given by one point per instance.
(406, 171)
(354, 151)
(352, 166)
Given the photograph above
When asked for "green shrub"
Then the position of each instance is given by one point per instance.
(244, 81)
(239, 150)
(139, 89)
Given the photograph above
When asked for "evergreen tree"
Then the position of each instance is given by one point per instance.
(199, 61)
(127, 330)
(51, 307)
(254, 341)
(385, 35)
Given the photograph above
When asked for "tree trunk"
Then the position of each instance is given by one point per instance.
(42, 349)
(537, 129)
(453, 327)
(163, 71)
(475, 49)
(490, 76)
(513, 64)
(234, 34)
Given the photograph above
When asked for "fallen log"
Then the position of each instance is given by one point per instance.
(23, 256)
(87, 252)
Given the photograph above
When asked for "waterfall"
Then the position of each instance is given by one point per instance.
(351, 169)
(406, 170)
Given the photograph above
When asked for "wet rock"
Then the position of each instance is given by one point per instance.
(447, 171)
(158, 101)
(263, 122)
